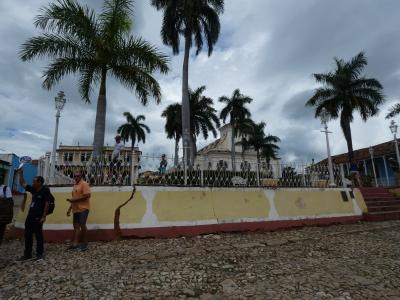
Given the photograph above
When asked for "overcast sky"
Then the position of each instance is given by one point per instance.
(269, 49)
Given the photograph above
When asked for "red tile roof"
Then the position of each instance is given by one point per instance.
(386, 148)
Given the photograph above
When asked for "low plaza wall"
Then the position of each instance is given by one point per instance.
(176, 211)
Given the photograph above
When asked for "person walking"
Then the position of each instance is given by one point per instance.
(41, 198)
(6, 207)
(80, 205)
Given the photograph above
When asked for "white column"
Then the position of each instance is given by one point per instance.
(53, 153)
(386, 169)
(397, 149)
(373, 169)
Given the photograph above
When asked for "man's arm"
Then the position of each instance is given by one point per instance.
(46, 209)
(21, 178)
(79, 198)
(69, 210)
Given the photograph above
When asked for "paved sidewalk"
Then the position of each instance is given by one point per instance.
(360, 261)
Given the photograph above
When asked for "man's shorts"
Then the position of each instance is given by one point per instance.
(81, 217)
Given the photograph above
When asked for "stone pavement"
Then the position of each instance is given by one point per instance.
(360, 261)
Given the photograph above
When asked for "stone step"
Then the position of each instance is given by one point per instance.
(384, 208)
(381, 216)
(373, 203)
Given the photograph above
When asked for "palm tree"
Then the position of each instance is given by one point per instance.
(244, 129)
(173, 125)
(80, 42)
(195, 21)
(203, 118)
(237, 111)
(264, 145)
(393, 111)
(345, 91)
(133, 129)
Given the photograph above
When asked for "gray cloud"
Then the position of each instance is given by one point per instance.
(268, 49)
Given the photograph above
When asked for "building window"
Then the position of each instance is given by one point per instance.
(222, 165)
(68, 156)
(85, 156)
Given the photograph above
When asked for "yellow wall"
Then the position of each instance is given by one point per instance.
(186, 206)
(290, 204)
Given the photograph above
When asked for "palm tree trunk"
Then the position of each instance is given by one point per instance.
(194, 147)
(345, 124)
(176, 161)
(233, 150)
(187, 153)
(100, 124)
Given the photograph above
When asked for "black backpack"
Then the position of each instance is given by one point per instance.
(52, 204)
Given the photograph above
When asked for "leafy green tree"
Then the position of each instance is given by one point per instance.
(345, 91)
(203, 118)
(195, 21)
(79, 41)
(264, 145)
(237, 111)
(173, 126)
(133, 129)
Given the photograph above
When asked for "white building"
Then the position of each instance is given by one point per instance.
(217, 155)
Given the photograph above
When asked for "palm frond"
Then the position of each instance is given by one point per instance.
(393, 111)
(68, 17)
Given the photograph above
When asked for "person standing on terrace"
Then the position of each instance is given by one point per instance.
(116, 158)
(80, 205)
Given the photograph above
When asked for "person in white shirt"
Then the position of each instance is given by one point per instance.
(116, 159)
(116, 155)
(6, 207)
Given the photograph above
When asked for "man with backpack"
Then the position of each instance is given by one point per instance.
(6, 207)
(41, 202)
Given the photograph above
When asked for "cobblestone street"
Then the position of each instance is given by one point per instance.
(360, 261)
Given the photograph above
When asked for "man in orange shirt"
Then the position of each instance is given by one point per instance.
(80, 206)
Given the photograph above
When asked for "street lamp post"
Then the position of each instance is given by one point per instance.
(393, 129)
(324, 121)
(59, 103)
(371, 152)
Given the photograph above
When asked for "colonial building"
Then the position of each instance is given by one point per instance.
(73, 158)
(217, 155)
(384, 160)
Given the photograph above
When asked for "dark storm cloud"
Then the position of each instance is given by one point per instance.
(294, 109)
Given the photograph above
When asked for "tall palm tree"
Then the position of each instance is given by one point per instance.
(173, 125)
(133, 129)
(195, 21)
(203, 118)
(237, 111)
(393, 111)
(78, 41)
(264, 145)
(346, 91)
